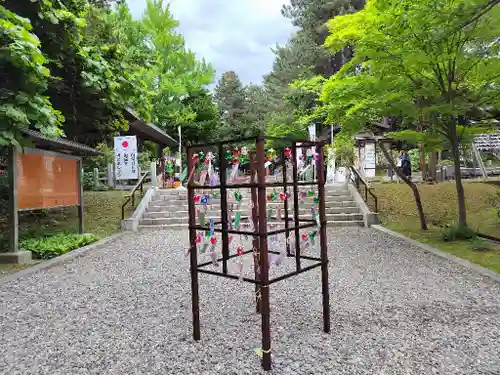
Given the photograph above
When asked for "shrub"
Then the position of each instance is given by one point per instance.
(50, 247)
(478, 244)
(457, 232)
(89, 184)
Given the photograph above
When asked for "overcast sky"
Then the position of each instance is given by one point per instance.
(231, 34)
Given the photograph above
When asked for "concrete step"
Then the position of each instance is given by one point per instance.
(345, 224)
(156, 227)
(342, 210)
(344, 217)
(176, 206)
(167, 221)
(152, 228)
(159, 212)
(154, 207)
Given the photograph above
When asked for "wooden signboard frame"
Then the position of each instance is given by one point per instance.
(13, 191)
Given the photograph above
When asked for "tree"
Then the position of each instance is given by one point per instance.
(89, 83)
(204, 126)
(231, 98)
(311, 17)
(413, 59)
(24, 78)
(175, 71)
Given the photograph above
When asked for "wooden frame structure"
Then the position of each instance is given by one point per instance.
(41, 145)
(261, 280)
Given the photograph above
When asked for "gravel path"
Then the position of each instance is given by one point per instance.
(126, 310)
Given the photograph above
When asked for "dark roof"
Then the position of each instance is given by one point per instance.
(326, 134)
(45, 142)
(147, 132)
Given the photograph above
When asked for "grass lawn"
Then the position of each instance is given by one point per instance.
(398, 212)
(102, 217)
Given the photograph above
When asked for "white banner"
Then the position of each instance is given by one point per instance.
(312, 132)
(126, 158)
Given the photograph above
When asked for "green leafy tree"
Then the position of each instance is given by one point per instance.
(175, 71)
(205, 124)
(24, 78)
(416, 60)
(89, 83)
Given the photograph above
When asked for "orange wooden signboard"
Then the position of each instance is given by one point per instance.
(45, 181)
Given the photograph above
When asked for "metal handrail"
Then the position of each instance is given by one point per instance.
(131, 196)
(368, 189)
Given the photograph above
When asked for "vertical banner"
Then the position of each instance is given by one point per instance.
(312, 132)
(312, 137)
(126, 158)
(370, 159)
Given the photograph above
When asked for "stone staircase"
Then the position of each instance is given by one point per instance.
(169, 209)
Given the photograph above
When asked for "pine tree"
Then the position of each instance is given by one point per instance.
(231, 98)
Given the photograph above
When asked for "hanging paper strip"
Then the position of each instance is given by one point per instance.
(291, 247)
(202, 218)
(213, 253)
(237, 219)
(205, 243)
(239, 250)
(203, 177)
(191, 173)
(234, 170)
(212, 226)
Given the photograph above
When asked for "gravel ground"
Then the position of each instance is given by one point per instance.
(126, 310)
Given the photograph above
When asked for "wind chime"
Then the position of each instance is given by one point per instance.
(208, 239)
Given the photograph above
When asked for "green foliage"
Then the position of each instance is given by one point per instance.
(205, 124)
(344, 149)
(84, 62)
(416, 61)
(414, 156)
(24, 78)
(479, 244)
(50, 247)
(91, 184)
(457, 232)
(101, 161)
(230, 96)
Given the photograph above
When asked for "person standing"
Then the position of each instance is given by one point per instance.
(405, 164)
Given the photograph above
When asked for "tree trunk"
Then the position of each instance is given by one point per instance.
(455, 152)
(410, 183)
(433, 156)
(423, 166)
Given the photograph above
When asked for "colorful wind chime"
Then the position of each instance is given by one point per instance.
(236, 157)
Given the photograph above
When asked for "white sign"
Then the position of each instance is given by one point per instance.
(370, 159)
(312, 132)
(126, 158)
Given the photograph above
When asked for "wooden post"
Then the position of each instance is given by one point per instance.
(223, 207)
(13, 214)
(285, 188)
(95, 175)
(152, 168)
(264, 263)
(322, 237)
(80, 195)
(255, 240)
(111, 175)
(296, 207)
(193, 253)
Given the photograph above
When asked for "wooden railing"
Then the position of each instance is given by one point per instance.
(360, 183)
(131, 196)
